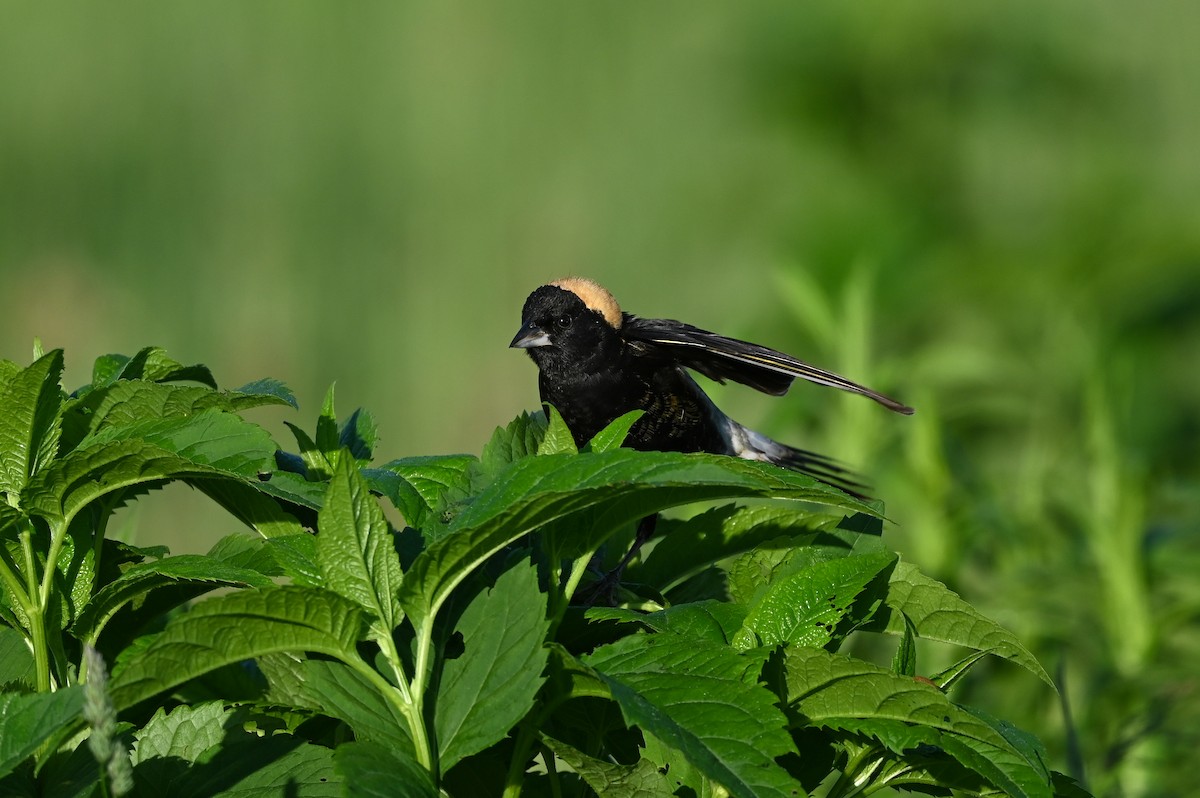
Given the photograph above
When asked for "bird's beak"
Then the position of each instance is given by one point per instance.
(529, 336)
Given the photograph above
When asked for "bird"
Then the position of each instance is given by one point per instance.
(597, 362)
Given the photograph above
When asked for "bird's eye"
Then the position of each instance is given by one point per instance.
(562, 322)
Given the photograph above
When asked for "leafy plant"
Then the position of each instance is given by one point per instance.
(452, 655)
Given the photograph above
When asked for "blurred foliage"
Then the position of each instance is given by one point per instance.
(990, 210)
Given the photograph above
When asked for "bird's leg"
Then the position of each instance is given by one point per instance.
(604, 590)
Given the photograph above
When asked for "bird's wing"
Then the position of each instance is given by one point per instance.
(721, 358)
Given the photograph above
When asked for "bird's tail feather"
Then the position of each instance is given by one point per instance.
(755, 446)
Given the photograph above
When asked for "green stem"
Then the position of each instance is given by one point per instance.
(426, 755)
(36, 612)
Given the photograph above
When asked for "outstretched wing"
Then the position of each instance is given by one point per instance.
(721, 358)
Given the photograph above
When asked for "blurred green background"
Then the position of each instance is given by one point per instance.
(990, 210)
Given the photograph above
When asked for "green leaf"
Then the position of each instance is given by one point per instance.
(327, 429)
(704, 701)
(140, 579)
(836, 692)
(211, 443)
(642, 780)
(939, 614)
(251, 506)
(359, 434)
(29, 421)
(417, 486)
(272, 391)
(484, 692)
(316, 464)
(711, 621)
(904, 663)
(805, 608)
(131, 402)
(236, 627)
(339, 691)
(16, 660)
(518, 440)
(373, 771)
(202, 750)
(355, 550)
(27, 721)
(297, 556)
(612, 436)
(558, 438)
(686, 547)
(153, 364)
(606, 490)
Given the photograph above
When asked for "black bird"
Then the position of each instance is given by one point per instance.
(596, 363)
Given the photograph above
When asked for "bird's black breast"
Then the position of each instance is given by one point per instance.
(678, 416)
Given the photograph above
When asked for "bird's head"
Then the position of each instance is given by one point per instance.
(569, 322)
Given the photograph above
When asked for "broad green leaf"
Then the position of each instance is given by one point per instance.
(939, 614)
(359, 434)
(237, 627)
(317, 466)
(297, 556)
(417, 486)
(355, 550)
(251, 506)
(485, 692)
(558, 438)
(140, 579)
(337, 690)
(704, 701)
(16, 660)
(642, 780)
(805, 608)
(273, 392)
(132, 402)
(212, 443)
(29, 421)
(27, 721)
(837, 692)
(373, 771)
(607, 490)
(153, 364)
(327, 429)
(685, 547)
(292, 488)
(199, 751)
(509, 444)
(710, 621)
(612, 436)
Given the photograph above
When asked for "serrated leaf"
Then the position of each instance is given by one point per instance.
(156, 366)
(642, 780)
(373, 771)
(236, 627)
(805, 608)
(202, 750)
(488, 689)
(704, 701)
(327, 429)
(337, 690)
(272, 390)
(904, 662)
(509, 444)
(317, 466)
(355, 550)
(836, 692)
(607, 490)
(710, 621)
(939, 614)
(27, 721)
(557, 438)
(416, 485)
(251, 506)
(212, 443)
(688, 546)
(359, 434)
(16, 660)
(29, 421)
(131, 402)
(141, 579)
(612, 436)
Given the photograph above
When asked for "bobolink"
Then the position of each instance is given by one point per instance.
(596, 363)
